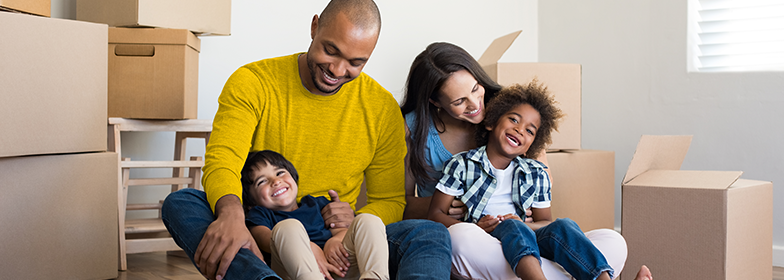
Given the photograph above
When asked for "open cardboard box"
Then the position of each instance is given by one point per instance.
(563, 80)
(205, 17)
(153, 73)
(694, 224)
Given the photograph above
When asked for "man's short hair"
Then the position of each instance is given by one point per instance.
(362, 13)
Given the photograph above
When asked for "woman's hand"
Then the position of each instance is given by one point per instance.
(336, 254)
(510, 216)
(458, 209)
(324, 266)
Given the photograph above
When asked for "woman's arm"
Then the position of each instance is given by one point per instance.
(439, 209)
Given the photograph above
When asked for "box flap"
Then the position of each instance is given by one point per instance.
(686, 179)
(497, 48)
(153, 36)
(658, 152)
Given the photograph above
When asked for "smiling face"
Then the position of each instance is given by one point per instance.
(512, 135)
(462, 97)
(337, 54)
(273, 187)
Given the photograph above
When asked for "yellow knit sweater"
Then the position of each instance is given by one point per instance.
(334, 141)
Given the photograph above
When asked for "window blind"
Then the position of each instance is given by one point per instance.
(740, 35)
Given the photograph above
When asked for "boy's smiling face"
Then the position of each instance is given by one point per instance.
(512, 135)
(273, 187)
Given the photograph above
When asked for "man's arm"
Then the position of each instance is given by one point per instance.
(385, 176)
(224, 238)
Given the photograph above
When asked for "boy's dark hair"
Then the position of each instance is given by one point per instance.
(534, 94)
(262, 157)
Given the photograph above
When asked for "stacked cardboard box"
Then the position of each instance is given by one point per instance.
(583, 180)
(154, 71)
(694, 224)
(35, 7)
(57, 180)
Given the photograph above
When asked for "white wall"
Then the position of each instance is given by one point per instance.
(634, 75)
(263, 29)
(635, 82)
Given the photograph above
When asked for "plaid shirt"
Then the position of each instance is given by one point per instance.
(471, 174)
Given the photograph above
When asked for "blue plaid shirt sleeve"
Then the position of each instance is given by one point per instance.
(454, 175)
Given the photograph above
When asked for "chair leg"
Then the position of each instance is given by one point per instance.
(121, 206)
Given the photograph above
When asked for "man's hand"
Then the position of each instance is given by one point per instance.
(457, 210)
(488, 223)
(337, 214)
(223, 239)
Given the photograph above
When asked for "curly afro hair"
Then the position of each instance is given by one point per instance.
(534, 94)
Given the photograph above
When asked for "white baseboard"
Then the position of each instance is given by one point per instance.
(778, 256)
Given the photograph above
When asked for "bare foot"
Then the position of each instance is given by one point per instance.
(644, 274)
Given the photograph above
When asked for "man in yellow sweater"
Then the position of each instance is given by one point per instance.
(337, 125)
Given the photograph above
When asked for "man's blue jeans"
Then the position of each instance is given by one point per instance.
(561, 241)
(418, 249)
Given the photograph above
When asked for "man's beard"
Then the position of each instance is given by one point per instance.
(312, 68)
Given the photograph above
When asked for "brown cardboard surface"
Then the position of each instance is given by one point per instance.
(695, 224)
(563, 80)
(153, 73)
(59, 218)
(36, 7)
(207, 17)
(53, 94)
(583, 187)
(658, 152)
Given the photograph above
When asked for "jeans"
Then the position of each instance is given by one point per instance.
(418, 249)
(187, 214)
(561, 241)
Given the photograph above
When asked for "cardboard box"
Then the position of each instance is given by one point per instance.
(36, 7)
(153, 73)
(694, 224)
(564, 81)
(53, 93)
(59, 218)
(583, 187)
(206, 17)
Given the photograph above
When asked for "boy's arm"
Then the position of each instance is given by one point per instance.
(263, 237)
(439, 208)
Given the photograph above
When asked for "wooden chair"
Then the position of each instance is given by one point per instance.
(151, 233)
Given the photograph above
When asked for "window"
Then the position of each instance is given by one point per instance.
(736, 35)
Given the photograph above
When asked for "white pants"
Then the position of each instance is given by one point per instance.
(478, 255)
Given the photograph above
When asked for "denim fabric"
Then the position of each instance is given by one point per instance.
(419, 249)
(187, 214)
(561, 241)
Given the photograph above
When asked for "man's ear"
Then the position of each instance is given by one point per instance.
(313, 27)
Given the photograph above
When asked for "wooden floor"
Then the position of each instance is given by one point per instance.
(159, 265)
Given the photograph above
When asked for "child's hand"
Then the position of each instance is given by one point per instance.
(324, 266)
(488, 222)
(510, 216)
(336, 254)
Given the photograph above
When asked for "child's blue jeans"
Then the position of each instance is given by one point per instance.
(561, 241)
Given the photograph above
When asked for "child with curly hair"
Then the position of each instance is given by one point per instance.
(500, 180)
